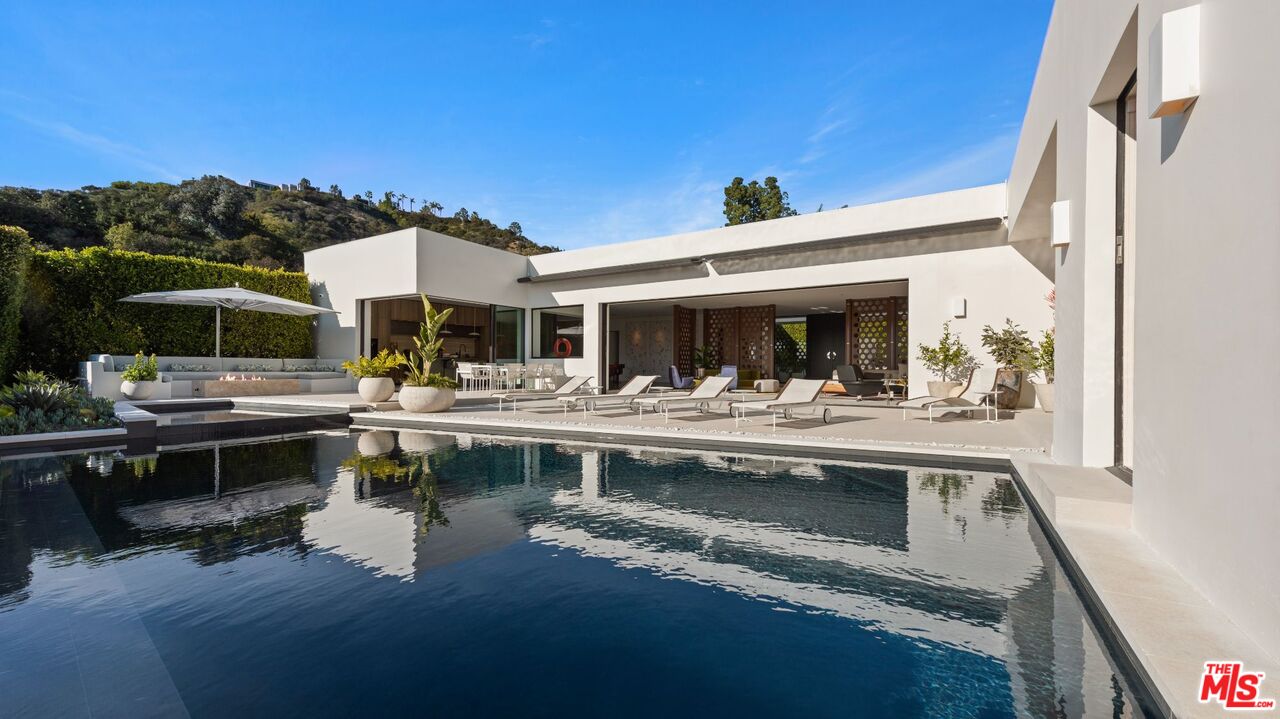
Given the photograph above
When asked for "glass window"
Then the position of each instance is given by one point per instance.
(508, 337)
(557, 332)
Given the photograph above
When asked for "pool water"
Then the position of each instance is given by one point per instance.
(378, 573)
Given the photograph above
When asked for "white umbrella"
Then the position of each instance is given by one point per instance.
(234, 298)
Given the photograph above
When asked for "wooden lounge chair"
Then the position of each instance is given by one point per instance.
(634, 387)
(796, 394)
(711, 390)
(978, 393)
(576, 385)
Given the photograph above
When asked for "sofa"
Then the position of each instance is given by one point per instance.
(101, 374)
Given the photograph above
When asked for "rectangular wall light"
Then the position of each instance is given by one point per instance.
(1175, 62)
(1060, 223)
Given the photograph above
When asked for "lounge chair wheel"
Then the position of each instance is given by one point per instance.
(826, 415)
(787, 413)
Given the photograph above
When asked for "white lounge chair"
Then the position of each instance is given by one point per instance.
(979, 392)
(576, 385)
(796, 394)
(711, 390)
(634, 387)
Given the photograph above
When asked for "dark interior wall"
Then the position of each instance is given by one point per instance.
(824, 344)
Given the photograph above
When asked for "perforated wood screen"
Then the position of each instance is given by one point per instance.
(684, 322)
(755, 339)
(741, 336)
(876, 332)
(720, 333)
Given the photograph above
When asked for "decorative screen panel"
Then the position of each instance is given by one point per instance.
(876, 332)
(684, 323)
(755, 339)
(720, 333)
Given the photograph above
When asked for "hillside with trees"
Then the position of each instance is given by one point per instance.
(215, 218)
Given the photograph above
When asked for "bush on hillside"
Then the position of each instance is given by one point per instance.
(15, 253)
(73, 309)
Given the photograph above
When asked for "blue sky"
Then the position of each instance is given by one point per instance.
(586, 122)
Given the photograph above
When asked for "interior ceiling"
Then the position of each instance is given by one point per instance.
(789, 303)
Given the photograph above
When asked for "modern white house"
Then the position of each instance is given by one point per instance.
(869, 283)
(1145, 192)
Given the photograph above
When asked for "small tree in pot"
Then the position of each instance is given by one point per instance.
(374, 373)
(950, 360)
(704, 358)
(1044, 363)
(1013, 351)
(424, 390)
(138, 380)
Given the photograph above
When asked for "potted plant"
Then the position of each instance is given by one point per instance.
(376, 384)
(424, 390)
(1044, 364)
(1013, 352)
(704, 358)
(949, 360)
(138, 380)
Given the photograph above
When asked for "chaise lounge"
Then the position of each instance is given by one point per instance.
(576, 384)
(796, 394)
(711, 390)
(634, 387)
(979, 392)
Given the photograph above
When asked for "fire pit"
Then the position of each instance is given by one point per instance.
(243, 385)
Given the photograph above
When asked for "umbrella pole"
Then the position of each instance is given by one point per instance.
(217, 331)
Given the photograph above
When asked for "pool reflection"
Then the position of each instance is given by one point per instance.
(941, 559)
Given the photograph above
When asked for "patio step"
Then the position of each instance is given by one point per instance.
(1086, 495)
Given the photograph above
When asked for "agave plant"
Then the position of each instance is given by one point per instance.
(46, 396)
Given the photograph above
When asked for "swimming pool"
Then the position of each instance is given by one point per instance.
(376, 573)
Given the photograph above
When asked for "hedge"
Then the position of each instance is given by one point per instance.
(15, 253)
(72, 309)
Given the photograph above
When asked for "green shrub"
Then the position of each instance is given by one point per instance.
(379, 365)
(37, 403)
(950, 359)
(143, 369)
(1009, 346)
(15, 254)
(72, 309)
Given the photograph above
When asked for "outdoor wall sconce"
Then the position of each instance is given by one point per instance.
(1175, 62)
(959, 307)
(1060, 223)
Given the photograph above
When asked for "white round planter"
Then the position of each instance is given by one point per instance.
(426, 399)
(1044, 393)
(138, 390)
(376, 389)
(425, 442)
(375, 443)
(942, 389)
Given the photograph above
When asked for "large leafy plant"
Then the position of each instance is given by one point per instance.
(418, 363)
(950, 359)
(1009, 346)
(704, 357)
(380, 365)
(1044, 356)
(143, 369)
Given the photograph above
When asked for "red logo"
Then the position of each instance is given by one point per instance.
(1231, 686)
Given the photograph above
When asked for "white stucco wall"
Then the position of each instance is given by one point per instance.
(1205, 453)
(402, 263)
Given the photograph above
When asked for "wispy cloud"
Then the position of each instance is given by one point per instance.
(833, 122)
(542, 37)
(984, 162)
(98, 145)
(690, 201)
